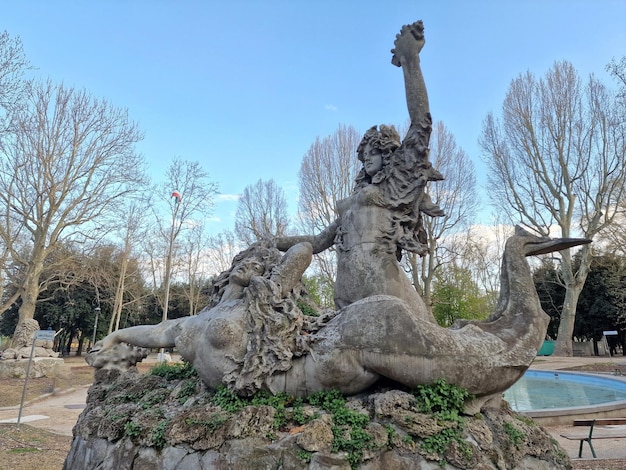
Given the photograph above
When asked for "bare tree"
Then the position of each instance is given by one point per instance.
(131, 232)
(221, 249)
(327, 175)
(194, 262)
(557, 157)
(482, 256)
(189, 196)
(261, 212)
(458, 199)
(618, 70)
(13, 64)
(67, 162)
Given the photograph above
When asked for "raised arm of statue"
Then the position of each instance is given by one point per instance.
(289, 271)
(408, 45)
(319, 243)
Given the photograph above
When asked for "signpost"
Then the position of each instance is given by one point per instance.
(606, 341)
(42, 335)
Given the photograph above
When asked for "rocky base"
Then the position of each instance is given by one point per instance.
(24, 353)
(148, 422)
(40, 367)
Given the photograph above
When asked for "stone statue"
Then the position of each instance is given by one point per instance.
(251, 328)
(382, 217)
(253, 337)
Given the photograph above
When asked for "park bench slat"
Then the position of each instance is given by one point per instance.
(604, 433)
(601, 422)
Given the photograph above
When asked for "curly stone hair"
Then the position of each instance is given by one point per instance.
(387, 140)
(267, 256)
(402, 180)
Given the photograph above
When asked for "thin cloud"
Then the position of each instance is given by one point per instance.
(331, 107)
(228, 197)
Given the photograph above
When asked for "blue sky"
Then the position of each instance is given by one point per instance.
(245, 86)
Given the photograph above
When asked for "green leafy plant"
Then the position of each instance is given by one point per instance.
(298, 412)
(152, 398)
(329, 400)
(187, 390)
(132, 429)
(438, 443)
(353, 441)
(526, 420)
(445, 402)
(391, 433)
(129, 397)
(227, 400)
(214, 421)
(516, 436)
(174, 370)
(158, 434)
(349, 434)
(307, 309)
(305, 455)
(279, 402)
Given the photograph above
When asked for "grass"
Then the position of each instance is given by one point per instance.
(29, 448)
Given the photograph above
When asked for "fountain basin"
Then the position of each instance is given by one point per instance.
(554, 397)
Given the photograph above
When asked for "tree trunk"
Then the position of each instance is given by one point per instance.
(119, 293)
(68, 343)
(81, 341)
(29, 294)
(29, 291)
(564, 343)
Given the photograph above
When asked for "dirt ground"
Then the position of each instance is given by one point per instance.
(43, 444)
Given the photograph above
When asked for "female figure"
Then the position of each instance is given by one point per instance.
(251, 328)
(382, 217)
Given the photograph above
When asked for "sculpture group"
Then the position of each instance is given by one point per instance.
(252, 336)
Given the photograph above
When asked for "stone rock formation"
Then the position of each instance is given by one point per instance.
(134, 421)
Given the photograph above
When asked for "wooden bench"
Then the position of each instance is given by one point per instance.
(602, 433)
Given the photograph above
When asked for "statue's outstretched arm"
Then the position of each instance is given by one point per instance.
(408, 45)
(320, 242)
(162, 335)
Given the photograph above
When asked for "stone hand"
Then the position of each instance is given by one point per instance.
(408, 43)
(102, 346)
(112, 354)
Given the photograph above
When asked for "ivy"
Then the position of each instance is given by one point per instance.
(515, 435)
(174, 371)
(158, 434)
(132, 429)
(443, 400)
(227, 400)
(214, 422)
(446, 403)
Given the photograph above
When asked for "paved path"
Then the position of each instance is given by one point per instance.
(57, 413)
